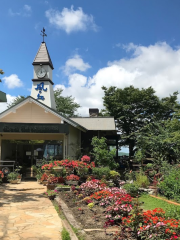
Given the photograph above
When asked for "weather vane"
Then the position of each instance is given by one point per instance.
(43, 34)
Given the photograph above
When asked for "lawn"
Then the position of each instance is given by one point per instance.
(150, 203)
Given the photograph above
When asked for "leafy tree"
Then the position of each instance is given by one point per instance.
(65, 105)
(16, 101)
(103, 156)
(161, 140)
(1, 72)
(133, 108)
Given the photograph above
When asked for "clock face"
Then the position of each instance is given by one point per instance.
(41, 73)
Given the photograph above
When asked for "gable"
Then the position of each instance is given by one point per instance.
(30, 113)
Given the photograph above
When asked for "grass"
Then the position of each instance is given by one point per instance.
(65, 235)
(150, 203)
(76, 231)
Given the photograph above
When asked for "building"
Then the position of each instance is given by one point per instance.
(33, 129)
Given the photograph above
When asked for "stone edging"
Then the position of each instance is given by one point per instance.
(168, 201)
(70, 219)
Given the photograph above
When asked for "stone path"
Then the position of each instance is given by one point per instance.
(26, 214)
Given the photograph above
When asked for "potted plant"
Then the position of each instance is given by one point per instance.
(44, 179)
(72, 179)
(13, 177)
(52, 181)
(62, 187)
(47, 168)
(57, 166)
(51, 194)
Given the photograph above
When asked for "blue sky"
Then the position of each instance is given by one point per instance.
(92, 43)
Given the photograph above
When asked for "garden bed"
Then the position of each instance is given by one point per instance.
(92, 221)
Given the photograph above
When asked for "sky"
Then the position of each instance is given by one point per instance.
(91, 44)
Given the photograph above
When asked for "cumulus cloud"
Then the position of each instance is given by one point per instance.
(71, 20)
(75, 63)
(12, 81)
(3, 106)
(156, 65)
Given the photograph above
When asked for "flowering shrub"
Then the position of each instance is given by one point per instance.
(85, 158)
(47, 166)
(44, 177)
(101, 194)
(90, 205)
(153, 225)
(52, 179)
(51, 193)
(92, 186)
(61, 180)
(72, 177)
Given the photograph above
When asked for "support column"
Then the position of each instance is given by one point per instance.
(64, 147)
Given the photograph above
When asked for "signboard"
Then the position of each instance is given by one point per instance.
(28, 153)
(39, 162)
(35, 153)
(34, 128)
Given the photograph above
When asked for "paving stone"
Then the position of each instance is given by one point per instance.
(27, 215)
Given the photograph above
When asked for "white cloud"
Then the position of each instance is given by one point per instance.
(12, 81)
(27, 8)
(25, 12)
(71, 20)
(11, 13)
(156, 65)
(3, 106)
(75, 63)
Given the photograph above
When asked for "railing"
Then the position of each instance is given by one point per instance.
(7, 165)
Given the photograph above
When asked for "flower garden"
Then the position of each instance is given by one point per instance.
(110, 204)
(98, 198)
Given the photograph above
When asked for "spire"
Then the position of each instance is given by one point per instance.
(42, 56)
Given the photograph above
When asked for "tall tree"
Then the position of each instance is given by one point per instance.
(1, 72)
(65, 105)
(16, 101)
(133, 108)
(161, 140)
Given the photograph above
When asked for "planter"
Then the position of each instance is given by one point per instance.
(50, 186)
(44, 183)
(59, 189)
(69, 170)
(48, 172)
(72, 182)
(19, 180)
(58, 169)
(13, 181)
(51, 197)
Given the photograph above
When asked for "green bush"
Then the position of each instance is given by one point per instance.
(170, 187)
(100, 172)
(12, 176)
(142, 180)
(114, 174)
(103, 156)
(132, 189)
(65, 235)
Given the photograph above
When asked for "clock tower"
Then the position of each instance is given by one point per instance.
(42, 87)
